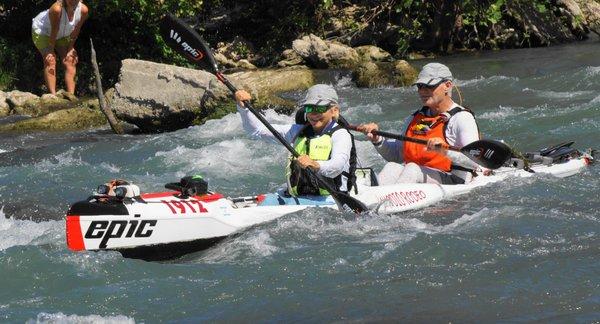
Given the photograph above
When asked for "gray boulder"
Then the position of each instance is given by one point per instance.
(384, 74)
(290, 58)
(4, 108)
(590, 10)
(373, 53)
(18, 98)
(323, 54)
(160, 97)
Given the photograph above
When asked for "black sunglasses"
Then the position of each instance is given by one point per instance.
(429, 86)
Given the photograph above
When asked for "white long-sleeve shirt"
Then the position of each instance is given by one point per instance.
(461, 130)
(339, 160)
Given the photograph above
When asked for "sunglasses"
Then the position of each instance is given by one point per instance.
(316, 109)
(429, 86)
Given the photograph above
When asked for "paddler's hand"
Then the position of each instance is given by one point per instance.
(241, 96)
(367, 129)
(305, 162)
(437, 144)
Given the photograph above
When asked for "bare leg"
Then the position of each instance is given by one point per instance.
(49, 70)
(69, 60)
(414, 173)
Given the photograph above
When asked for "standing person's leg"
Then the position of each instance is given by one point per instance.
(49, 57)
(69, 60)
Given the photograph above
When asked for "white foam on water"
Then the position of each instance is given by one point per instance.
(60, 318)
(251, 246)
(558, 95)
(3, 151)
(261, 244)
(344, 81)
(592, 71)
(501, 113)
(25, 232)
(484, 80)
(274, 118)
(370, 109)
(110, 167)
(64, 159)
(229, 157)
(229, 125)
(466, 221)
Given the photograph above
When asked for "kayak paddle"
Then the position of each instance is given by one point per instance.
(186, 41)
(489, 153)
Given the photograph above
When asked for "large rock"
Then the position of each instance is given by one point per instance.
(158, 97)
(290, 58)
(62, 120)
(238, 54)
(265, 85)
(591, 13)
(4, 108)
(373, 53)
(573, 15)
(18, 98)
(541, 28)
(384, 74)
(323, 54)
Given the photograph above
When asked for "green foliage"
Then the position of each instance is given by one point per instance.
(129, 29)
(541, 8)
(494, 11)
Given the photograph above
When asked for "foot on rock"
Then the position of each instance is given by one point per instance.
(67, 95)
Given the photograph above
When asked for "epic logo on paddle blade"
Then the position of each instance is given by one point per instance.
(475, 152)
(195, 54)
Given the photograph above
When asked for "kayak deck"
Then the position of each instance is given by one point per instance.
(166, 225)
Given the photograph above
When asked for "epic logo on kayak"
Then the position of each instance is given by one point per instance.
(115, 229)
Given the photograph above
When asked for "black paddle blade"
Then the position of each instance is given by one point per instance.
(183, 39)
(345, 202)
(488, 153)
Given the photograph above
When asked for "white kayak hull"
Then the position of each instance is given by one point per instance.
(160, 226)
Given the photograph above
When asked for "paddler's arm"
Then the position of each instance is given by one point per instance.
(390, 149)
(255, 128)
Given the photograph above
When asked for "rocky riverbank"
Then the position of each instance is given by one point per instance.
(158, 97)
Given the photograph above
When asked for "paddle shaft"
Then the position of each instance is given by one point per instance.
(260, 117)
(400, 137)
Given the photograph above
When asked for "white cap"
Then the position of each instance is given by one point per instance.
(320, 94)
(434, 73)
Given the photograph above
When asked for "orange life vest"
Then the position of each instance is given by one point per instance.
(424, 127)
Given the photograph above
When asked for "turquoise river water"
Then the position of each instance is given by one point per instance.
(526, 249)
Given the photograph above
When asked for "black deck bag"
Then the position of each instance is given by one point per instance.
(190, 186)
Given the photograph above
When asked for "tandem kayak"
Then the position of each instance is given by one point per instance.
(166, 225)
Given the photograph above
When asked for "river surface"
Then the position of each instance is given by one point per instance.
(527, 249)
